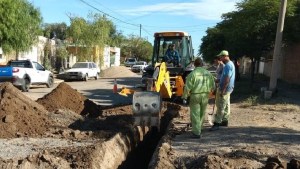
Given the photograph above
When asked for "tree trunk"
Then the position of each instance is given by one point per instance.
(17, 55)
(257, 65)
(252, 69)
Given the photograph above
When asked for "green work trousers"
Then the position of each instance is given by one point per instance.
(223, 107)
(198, 103)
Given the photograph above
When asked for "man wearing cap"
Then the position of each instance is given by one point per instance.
(199, 83)
(226, 86)
(172, 55)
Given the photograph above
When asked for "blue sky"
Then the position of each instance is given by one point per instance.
(192, 16)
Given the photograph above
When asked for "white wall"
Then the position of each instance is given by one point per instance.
(37, 50)
(106, 57)
(117, 56)
(2, 58)
(261, 67)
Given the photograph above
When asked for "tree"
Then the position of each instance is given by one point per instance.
(98, 31)
(89, 34)
(19, 26)
(249, 31)
(137, 47)
(211, 44)
(56, 29)
(47, 54)
(62, 55)
(292, 29)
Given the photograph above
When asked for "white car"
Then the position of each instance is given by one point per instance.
(139, 66)
(130, 62)
(82, 71)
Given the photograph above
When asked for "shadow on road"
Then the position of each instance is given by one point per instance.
(106, 97)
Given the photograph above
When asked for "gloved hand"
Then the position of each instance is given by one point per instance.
(184, 102)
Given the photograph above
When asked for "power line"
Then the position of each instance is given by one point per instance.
(187, 26)
(108, 8)
(151, 13)
(146, 31)
(107, 13)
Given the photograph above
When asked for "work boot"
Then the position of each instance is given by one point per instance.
(215, 127)
(195, 136)
(224, 123)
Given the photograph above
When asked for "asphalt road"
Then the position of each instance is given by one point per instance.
(100, 91)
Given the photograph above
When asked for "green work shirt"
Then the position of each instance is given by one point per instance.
(198, 81)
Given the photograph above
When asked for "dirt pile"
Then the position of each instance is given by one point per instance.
(20, 116)
(117, 72)
(65, 97)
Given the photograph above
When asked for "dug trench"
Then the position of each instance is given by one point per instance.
(64, 129)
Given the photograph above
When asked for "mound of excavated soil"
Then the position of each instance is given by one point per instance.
(65, 97)
(117, 72)
(20, 115)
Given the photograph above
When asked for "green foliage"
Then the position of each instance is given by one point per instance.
(292, 24)
(46, 62)
(77, 30)
(58, 28)
(47, 53)
(19, 25)
(62, 52)
(98, 31)
(117, 39)
(137, 47)
(252, 101)
(211, 44)
(250, 31)
(90, 33)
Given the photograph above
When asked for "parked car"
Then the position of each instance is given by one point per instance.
(139, 66)
(130, 62)
(23, 73)
(82, 71)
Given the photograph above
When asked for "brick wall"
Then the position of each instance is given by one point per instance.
(291, 65)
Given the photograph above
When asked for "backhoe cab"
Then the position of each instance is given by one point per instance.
(183, 45)
(164, 78)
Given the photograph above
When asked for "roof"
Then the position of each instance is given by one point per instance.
(171, 33)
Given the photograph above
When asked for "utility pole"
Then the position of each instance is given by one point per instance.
(277, 50)
(140, 30)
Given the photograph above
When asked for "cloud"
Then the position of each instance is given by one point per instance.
(201, 9)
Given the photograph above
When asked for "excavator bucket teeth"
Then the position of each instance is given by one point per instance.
(146, 107)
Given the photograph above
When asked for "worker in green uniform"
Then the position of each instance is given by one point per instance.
(199, 83)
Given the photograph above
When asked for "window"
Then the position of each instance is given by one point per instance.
(80, 65)
(20, 63)
(38, 66)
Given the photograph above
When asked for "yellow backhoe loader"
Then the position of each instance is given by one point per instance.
(164, 79)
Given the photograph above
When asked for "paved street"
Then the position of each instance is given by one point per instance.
(100, 91)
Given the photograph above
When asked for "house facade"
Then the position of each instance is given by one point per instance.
(36, 52)
(104, 57)
(288, 68)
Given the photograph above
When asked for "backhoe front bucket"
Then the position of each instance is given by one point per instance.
(146, 107)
